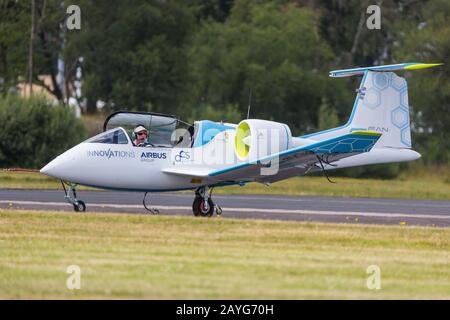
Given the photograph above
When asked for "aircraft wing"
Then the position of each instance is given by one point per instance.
(327, 151)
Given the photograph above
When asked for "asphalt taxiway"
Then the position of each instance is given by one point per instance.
(323, 209)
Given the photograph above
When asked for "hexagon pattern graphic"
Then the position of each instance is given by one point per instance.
(372, 98)
(400, 113)
(405, 136)
(381, 80)
(400, 117)
(404, 98)
(347, 145)
(389, 92)
(398, 83)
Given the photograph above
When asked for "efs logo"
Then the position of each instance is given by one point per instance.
(183, 155)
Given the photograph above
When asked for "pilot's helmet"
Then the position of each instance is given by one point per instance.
(139, 128)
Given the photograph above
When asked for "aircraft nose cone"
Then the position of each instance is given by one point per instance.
(49, 168)
(61, 166)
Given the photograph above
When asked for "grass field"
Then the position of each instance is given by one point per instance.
(129, 256)
(417, 183)
(27, 180)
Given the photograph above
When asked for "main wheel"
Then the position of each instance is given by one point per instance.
(198, 207)
(79, 206)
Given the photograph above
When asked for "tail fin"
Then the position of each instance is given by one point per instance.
(381, 105)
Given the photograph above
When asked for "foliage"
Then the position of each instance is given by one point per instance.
(201, 59)
(377, 171)
(15, 22)
(327, 116)
(271, 50)
(343, 26)
(134, 53)
(34, 131)
(13, 42)
(428, 39)
(228, 114)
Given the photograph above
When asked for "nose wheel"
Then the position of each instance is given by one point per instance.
(71, 197)
(203, 206)
(79, 206)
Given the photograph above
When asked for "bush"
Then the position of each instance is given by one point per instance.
(376, 171)
(228, 114)
(34, 131)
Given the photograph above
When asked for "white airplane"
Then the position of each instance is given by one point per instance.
(207, 154)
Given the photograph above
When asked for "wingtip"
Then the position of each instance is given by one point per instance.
(418, 66)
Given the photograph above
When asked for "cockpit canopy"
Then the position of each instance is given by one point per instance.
(116, 136)
(162, 128)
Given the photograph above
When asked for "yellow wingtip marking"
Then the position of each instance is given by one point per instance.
(422, 66)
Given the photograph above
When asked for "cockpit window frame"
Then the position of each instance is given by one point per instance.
(155, 132)
(105, 124)
(91, 139)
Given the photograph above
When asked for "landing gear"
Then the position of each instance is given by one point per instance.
(151, 210)
(203, 205)
(202, 208)
(71, 197)
(79, 206)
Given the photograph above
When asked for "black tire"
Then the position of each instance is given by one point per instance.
(197, 207)
(79, 206)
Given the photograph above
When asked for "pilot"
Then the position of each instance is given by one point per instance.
(140, 134)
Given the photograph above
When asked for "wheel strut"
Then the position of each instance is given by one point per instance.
(71, 197)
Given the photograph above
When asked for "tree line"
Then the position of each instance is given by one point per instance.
(204, 58)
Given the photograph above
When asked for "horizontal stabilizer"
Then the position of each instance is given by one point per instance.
(386, 68)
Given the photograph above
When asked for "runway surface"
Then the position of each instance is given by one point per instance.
(323, 209)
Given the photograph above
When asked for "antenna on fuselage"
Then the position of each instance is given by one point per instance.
(249, 103)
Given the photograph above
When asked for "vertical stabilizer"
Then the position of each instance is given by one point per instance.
(381, 105)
